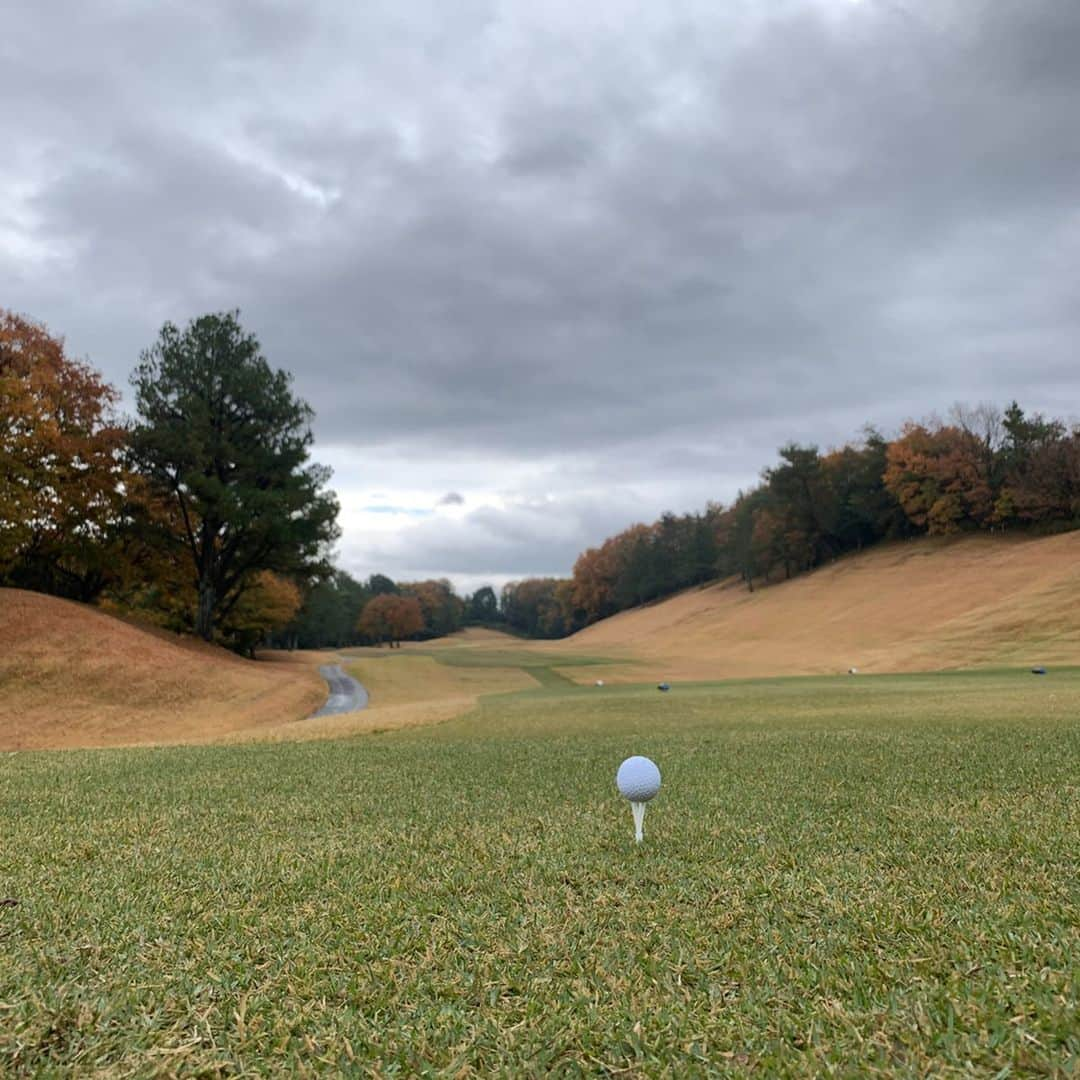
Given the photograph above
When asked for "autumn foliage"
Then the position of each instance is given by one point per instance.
(63, 482)
(391, 618)
(207, 516)
(979, 470)
(441, 609)
(269, 603)
(941, 479)
(80, 519)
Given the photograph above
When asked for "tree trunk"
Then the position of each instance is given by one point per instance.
(204, 621)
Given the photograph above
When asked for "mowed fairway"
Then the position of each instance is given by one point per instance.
(866, 876)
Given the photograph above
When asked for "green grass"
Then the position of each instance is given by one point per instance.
(853, 876)
(540, 665)
(472, 656)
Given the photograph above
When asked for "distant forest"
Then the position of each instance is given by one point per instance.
(205, 515)
(979, 470)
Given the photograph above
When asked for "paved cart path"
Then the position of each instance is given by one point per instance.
(346, 694)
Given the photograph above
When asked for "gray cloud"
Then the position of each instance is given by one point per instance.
(534, 535)
(659, 242)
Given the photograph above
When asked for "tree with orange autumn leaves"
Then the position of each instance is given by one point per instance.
(944, 477)
(64, 485)
(391, 618)
(269, 603)
(598, 572)
(442, 611)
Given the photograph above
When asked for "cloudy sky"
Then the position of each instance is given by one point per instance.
(548, 267)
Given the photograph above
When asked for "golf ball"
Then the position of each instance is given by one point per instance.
(638, 779)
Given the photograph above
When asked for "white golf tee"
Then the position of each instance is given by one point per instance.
(638, 780)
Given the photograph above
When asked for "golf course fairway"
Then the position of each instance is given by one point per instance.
(873, 876)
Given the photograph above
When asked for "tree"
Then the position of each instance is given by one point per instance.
(943, 477)
(267, 603)
(328, 616)
(538, 607)
(221, 435)
(804, 510)
(1035, 455)
(739, 553)
(866, 511)
(379, 584)
(64, 489)
(768, 539)
(442, 609)
(704, 547)
(1042, 484)
(1024, 436)
(392, 618)
(622, 572)
(484, 605)
(594, 577)
(563, 616)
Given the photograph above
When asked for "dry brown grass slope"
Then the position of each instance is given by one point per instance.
(918, 605)
(73, 676)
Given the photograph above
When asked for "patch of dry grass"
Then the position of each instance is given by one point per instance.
(920, 605)
(72, 676)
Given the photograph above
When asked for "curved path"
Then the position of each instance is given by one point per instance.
(346, 694)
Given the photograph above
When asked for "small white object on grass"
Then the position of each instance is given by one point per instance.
(599, 682)
(638, 780)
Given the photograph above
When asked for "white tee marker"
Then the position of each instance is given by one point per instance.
(638, 780)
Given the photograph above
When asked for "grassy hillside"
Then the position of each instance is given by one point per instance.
(926, 604)
(73, 676)
(851, 877)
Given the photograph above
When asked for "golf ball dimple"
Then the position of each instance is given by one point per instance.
(638, 779)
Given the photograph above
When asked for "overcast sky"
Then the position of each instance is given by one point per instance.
(545, 268)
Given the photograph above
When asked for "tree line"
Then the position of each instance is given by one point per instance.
(980, 469)
(341, 611)
(204, 513)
